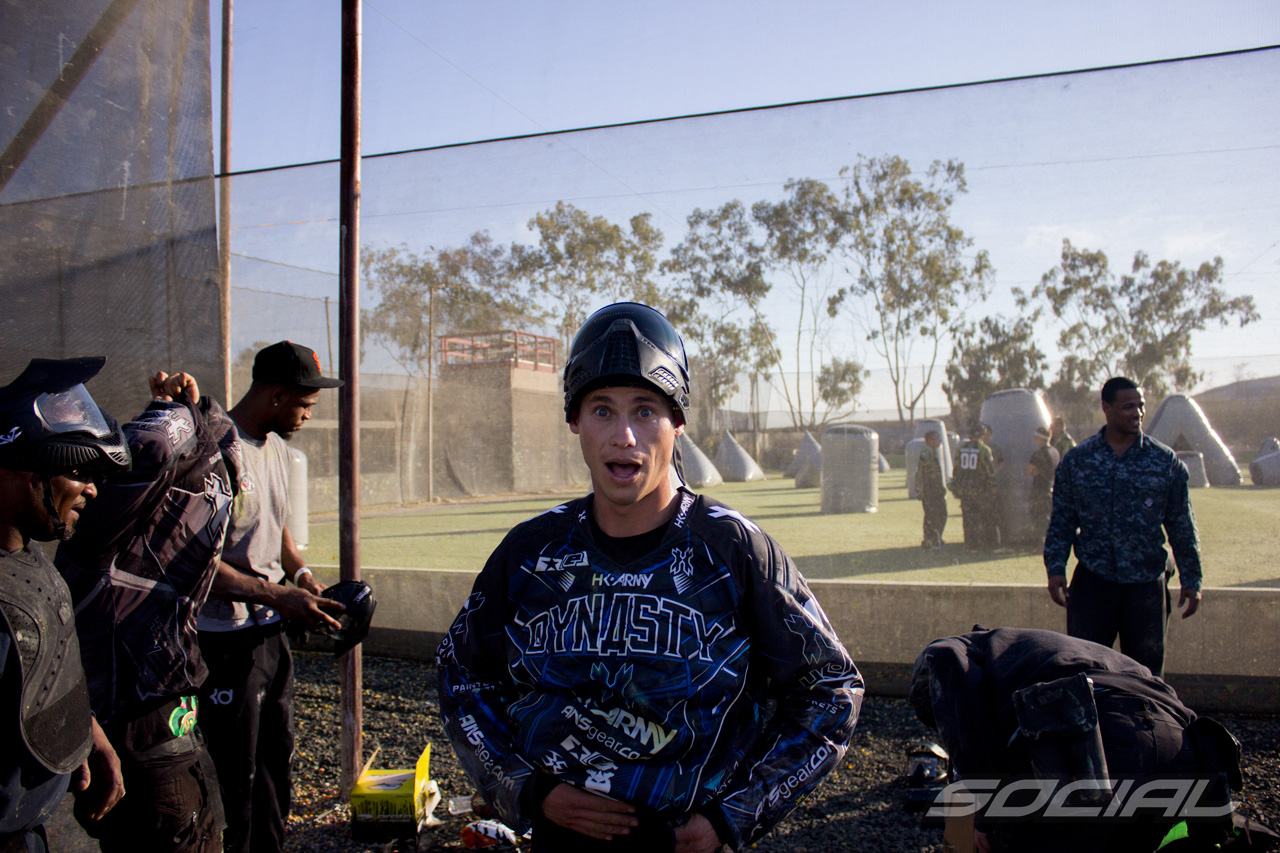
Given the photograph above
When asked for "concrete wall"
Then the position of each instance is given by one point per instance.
(498, 430)
(1225, 657)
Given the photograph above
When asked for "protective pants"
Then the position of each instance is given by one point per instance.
(246, 714)
(171, 802)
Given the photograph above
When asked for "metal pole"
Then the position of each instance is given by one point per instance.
(224, 206)
(431, 413)
(349, 394)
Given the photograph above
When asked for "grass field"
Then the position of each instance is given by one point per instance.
(1239, 531)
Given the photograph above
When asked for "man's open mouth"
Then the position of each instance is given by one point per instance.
(623, 470)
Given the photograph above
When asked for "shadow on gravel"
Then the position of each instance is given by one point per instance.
(867, 818)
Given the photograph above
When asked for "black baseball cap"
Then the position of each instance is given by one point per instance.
(287, 363)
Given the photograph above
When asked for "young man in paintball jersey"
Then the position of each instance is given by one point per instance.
(642, 668)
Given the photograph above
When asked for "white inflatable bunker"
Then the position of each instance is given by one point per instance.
(808, 453)
(298, 522)
(699, 472)
(734, 463)
(1265, 470)
(1180, 423)
(1271, 445)
(1194, 460)
(810, 476)
(850, 469)
(914, 448)
(884, 464)
(1013, 417)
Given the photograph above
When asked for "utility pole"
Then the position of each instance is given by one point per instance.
(224, 204)
(351, 745)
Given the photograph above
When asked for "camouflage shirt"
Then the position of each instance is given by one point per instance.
(929, 475)
(975, 475)
(1116, 510)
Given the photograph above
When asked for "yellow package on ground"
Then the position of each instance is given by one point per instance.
(388, 804)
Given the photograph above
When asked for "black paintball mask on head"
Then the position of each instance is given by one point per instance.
(627, 344)
(358, 599)
(51, 426)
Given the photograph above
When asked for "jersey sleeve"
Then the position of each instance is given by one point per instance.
(475, 688)
(818, 692)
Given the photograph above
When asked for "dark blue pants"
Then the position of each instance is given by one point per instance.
(1099, 610)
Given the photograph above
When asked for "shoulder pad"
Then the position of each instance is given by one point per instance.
(565, 514)
(719, 513)
(161, 433)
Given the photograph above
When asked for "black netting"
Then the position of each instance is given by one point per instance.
(107, 238)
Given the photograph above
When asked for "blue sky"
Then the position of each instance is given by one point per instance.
(1177, 160)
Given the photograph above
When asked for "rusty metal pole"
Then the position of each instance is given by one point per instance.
(224, 205)
(349, 363)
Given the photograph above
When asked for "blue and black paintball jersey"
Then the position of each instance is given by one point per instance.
(1115, 511)
(701, 676)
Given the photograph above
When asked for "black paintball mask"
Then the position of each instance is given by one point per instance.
(627, 344)
(51, 426)
(357, 598)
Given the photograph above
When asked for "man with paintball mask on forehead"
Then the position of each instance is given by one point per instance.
(139, 570)
(54, 441)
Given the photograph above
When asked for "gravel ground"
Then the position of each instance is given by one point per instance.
(856, 808)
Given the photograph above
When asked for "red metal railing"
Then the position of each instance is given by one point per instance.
(519, 349)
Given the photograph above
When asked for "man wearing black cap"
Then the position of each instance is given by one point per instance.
(246, 706)
(54, 441)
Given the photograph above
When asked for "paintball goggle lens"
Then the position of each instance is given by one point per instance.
(72, 410)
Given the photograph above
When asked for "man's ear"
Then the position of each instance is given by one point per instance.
(20, 479)
(573, 422)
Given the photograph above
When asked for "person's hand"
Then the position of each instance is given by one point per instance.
(1058, 589)
(169, 388)
(99, 779)
(297, 604)
(307, 581)
(697, 836)
(1191, 598)
(980, 841)
(589, 814)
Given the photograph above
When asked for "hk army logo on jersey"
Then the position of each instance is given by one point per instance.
(682, 568)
